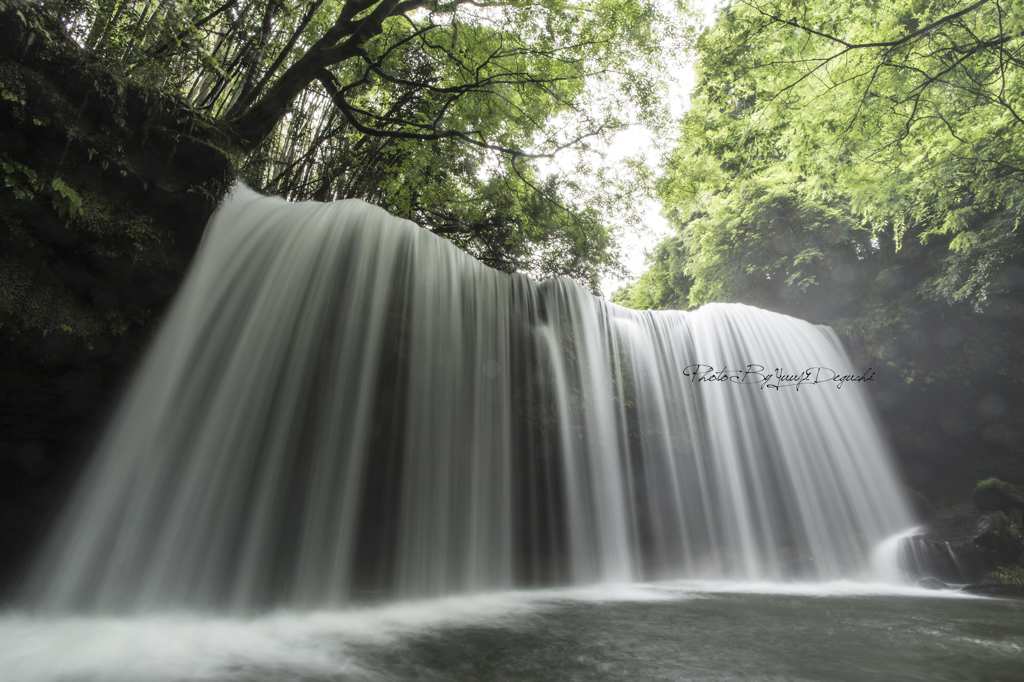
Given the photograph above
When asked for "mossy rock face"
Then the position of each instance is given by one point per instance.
(995, 536)
(963, 550)
(994, 495)
(924, 509)
(105, 189)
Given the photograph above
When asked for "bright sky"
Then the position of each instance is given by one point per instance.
(627, 143)
(636, 245)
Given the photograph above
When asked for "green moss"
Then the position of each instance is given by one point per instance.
(1002, 486)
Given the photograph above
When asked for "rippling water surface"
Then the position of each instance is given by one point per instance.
(684, 631)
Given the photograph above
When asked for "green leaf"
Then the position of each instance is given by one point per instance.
(66, 201)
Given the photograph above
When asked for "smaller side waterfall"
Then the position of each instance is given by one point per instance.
(340, 405)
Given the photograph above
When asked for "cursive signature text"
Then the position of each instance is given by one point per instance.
(777, 378)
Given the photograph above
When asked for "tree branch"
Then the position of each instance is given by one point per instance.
(429, 133)
(250, 97)
(857, 46)
(166, 45)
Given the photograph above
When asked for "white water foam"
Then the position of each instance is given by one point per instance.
(284, 644)
(885, 557)
(159, 648)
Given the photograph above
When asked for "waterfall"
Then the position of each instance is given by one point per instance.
(342, 406)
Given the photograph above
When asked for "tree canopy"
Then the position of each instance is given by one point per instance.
(829, 142)
(905, 112)
(438, 111)
(860, 165)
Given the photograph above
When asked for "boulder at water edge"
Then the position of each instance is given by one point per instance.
(995, 495)
(963, 550)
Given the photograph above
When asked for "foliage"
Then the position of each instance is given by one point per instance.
(66, 201)
(831, 149)
(907, 112)
(436, 110)
(663, 286)
(861, 165)
(1007, 575)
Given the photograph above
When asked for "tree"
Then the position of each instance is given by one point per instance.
(431, 109)
(856, 165)
(911, 109)
(126, 120)
(663, 286)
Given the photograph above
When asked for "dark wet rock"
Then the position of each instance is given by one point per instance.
(920, 555)
(955, 512)
(995, 590)
(932, 584)
(922, 507)
(962, 550)
(995, 495)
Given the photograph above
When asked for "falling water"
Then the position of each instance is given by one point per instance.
(342, 406)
